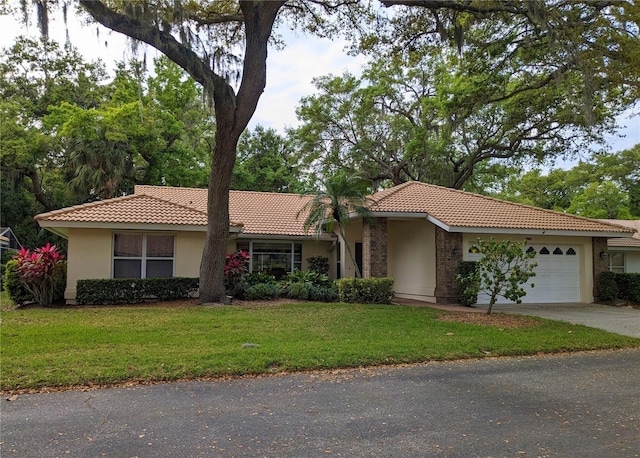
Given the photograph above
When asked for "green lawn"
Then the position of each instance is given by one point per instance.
(104, 345)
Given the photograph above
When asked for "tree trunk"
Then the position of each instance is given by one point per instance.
(233, 113)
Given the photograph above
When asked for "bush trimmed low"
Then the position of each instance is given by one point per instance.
(134, 290)
(365, 290)
(619, 286)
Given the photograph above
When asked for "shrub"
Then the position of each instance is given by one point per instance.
(235, 268)
(321, 294)
(319, 264)
(134, 290)
(365, 290)
(468, 282)
(619, 286)
(40, 271)
(297, 291)
(15, 289)
(262, 291)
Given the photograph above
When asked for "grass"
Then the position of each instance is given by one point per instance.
(109, 345)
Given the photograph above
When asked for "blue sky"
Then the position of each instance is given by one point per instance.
(289, 72)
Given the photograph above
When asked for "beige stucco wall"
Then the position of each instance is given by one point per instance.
(412, 259)
(582, 244)
(188, 253)
(353, 232)
(89, 256)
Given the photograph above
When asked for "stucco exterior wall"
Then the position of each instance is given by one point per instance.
(412, 259)
(583, 247)
(188, 254)
(311, 248)
(353, 231)
(89, 256)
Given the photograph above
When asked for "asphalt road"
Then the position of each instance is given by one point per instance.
(581, 405)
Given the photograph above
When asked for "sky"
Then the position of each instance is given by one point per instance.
(289, 71)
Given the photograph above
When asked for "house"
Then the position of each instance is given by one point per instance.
(624, 253)
(8, 240)
(418, 235)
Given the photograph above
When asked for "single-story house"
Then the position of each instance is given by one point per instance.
(418, 236)
(624, 253)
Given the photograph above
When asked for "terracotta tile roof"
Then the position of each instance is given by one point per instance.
(626, 242)
(459, 209)
(135, 208)
(264, 213)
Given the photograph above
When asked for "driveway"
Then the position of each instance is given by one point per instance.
(582, 405)
(620, 320)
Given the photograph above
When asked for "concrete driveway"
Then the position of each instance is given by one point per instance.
(620, 320)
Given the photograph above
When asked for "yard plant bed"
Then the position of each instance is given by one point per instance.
(44, 349)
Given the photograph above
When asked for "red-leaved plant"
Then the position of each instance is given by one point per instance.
(37, 271)
(235, 268)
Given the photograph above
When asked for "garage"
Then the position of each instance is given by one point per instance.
(557, 275)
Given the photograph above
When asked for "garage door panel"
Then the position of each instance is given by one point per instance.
(557, 276)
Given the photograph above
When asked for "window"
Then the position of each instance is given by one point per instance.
(616, 261)
(138, 255)
(273, 258)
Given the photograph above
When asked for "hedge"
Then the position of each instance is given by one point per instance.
(365, 290)
(134, 290)
(619, 286)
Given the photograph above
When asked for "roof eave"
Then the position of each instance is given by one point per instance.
(530, 231)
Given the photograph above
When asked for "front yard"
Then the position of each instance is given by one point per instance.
(73, 346)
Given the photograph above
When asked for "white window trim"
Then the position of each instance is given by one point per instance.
(143, 257)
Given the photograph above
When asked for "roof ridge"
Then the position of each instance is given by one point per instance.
(98, 203)
(62, 211)
(393, 190)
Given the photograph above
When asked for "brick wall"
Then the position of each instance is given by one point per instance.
(448, 257)
(374, 248)
(600, 264)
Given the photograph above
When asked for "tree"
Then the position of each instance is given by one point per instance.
(605, 186)
(211, 58)
(520, 90)
(601, 200)
(266, 163)
(33, 78)
(341, 196)
(502, 270)
(153, 132)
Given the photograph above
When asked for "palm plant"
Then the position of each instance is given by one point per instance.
(342, 196)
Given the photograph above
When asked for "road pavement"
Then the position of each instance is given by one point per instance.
(574, 405)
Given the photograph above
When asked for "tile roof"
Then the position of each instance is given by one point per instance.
(275, 214)
(459, 209)
(625, 242)
(135, 208)
(264, 213)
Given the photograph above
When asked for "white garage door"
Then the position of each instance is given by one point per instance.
(557, 276)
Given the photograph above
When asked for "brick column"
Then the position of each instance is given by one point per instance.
(374, 248)
(448, 257)
(599, 245)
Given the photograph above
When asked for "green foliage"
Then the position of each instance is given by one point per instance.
(41, 272)
(365, 290)
(266, 163)
(319, 264)
(607, 286)
(341, 196)
(134, 290)
(322, 293)
(469, 282)
(606, 186)
(14, 287)
(503, 268)
(615, 286)
(261, 291)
